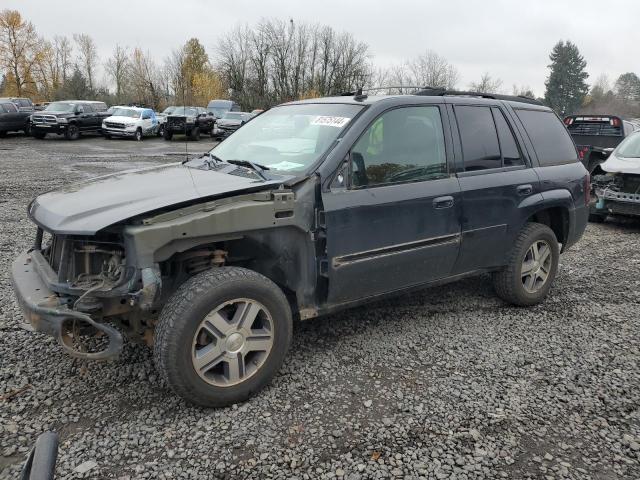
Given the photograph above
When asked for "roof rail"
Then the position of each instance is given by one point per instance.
(435, 92)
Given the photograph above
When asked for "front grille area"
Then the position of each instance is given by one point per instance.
(114, 125)
(631, 184)
(176, 122)
(40, 119)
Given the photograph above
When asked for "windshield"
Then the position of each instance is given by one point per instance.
(288, 138)
(629, 147)
(168, 110)
(60, 107)
(186, 111)
(126, 112)
(218, 111)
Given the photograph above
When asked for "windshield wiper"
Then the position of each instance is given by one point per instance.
(254, 166)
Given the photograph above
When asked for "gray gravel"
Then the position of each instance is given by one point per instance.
(447, 383)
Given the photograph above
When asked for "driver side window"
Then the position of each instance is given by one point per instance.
(402, 145)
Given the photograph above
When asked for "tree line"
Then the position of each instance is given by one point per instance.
(265, 64)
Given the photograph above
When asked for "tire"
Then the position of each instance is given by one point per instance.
(38, 135)
(180, 331)
(3, 134)
(27, 130)
(195, 133)
(167, 135)
(107, 136)
(72, 132)
(161, 131)
(511, 284)
(139, 136)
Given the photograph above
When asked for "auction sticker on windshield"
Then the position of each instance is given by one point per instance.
(327, 121)
(285, 165)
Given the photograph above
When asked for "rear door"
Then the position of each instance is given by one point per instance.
(397, 223)
(495, 178)
(87, 118)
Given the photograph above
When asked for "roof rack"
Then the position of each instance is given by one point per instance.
(435, 92)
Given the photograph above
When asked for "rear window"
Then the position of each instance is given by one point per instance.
(24, 102)
(594, 126)
(480, 147)
(9, 108)
(552, 144)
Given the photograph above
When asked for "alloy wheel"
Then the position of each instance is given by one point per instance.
(232, 342)
(536, 266)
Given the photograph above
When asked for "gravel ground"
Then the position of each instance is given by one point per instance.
(446, 383)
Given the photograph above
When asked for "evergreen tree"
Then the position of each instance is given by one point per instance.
(566, 84)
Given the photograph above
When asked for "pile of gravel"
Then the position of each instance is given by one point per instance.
(446, 383)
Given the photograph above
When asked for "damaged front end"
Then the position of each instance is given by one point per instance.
(70, 286)
(616, 194)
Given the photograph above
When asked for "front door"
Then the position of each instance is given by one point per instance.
(396, 224)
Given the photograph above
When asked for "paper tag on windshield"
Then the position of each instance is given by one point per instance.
(338, 122)
(284, 165)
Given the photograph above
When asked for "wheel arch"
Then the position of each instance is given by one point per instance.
(557, 218)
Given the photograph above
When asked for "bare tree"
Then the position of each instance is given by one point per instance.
(487, 84)
(144, 79)
(432, 70)
(87, 60)
(523, 91)
(19, 51)
(118, 69)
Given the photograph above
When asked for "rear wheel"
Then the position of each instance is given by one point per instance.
(222, 336)
(161, 131)
(532, 267)
(72, 133)
(38, 135)
(27, 129)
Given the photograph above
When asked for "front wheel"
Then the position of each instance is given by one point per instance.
(195, 133)
(39, 135)
(168, 135)
(222, 336)
(138, 136)
(72, 133)
(532, 267)
(161, 131)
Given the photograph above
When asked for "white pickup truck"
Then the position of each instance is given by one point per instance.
(131, 122)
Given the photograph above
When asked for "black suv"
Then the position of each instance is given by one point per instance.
(312, 207)
(70, 118)
(11, 119)
(189, 121)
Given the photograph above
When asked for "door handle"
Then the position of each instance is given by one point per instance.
(443, 202)
(524, 189)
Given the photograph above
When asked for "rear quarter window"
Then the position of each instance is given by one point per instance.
(551, 142)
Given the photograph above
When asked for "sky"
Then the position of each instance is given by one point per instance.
(510, 40)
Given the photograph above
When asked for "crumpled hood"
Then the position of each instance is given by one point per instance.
(615, 164)
(84, 208)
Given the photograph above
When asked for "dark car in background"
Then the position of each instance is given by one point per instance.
(189, 121)
(22, 104)
(229, 123)
(70, 118)
(596, 136)
(12, 120)
(310, 208)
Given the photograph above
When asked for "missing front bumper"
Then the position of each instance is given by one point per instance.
(43, 312)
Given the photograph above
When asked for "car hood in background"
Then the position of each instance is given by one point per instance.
(84, 208)
(229, 123)
(615, 164)
(121, 119)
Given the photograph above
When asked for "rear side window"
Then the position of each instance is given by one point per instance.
(508, 146)
(24, 102)
(2, 110)
(87, 108)
(480, 147)
(552, 143)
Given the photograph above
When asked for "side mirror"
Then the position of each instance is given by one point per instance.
(340, 180)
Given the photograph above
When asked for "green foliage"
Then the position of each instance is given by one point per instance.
(566, 84)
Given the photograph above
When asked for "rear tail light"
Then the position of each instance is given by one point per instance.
(587, 190)
(582, 152)
(615, 122)
(568, 121)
